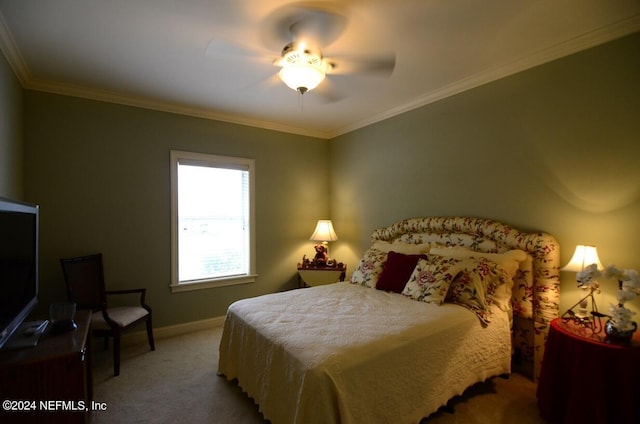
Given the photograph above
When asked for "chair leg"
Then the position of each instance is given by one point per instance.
(116, 356)
(152, 343)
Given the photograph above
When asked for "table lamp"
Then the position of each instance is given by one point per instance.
(583, 257)
(324, 233)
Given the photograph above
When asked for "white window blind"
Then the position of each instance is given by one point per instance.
(212, 220)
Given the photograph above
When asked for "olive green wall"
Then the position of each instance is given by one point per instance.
(100, 173)
(555, 148)
(11, 161)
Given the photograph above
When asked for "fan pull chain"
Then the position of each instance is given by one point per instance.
(301, 90)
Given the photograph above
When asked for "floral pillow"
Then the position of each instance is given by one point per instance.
(431, 279)
(475, 286)
(369, 268)
(510, 261)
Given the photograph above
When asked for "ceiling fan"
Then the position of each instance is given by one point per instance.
(303, 28)
(303, 67)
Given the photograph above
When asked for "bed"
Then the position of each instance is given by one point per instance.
(434, 306)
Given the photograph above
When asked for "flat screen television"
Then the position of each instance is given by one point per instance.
(18, 264)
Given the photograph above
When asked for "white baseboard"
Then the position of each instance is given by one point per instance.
(172, 330)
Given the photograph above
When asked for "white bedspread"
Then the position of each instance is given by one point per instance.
(343, 353)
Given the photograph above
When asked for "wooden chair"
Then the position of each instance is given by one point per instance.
(84, 278)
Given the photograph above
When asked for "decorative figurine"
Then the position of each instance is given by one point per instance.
(320, 259)
(306, 263)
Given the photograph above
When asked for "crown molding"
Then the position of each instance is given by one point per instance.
(12, 54)
(17, 63)
(575, 45)
(583, 42)
(165, 106)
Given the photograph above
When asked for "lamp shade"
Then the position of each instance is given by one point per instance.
(582, 258)
(301, 76)
(324, 231)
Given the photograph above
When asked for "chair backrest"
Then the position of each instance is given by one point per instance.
(84, 278)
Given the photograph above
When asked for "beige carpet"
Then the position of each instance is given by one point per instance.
(177, 383)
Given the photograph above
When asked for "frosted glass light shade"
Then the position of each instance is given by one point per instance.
(301, 76)
(324, 231)
(582, 258)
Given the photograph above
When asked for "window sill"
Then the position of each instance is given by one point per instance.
(208, 284)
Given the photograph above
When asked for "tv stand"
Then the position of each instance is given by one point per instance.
(57, 369)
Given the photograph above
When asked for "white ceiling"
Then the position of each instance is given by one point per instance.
(154, 53)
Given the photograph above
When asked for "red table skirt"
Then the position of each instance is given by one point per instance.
(588, 381)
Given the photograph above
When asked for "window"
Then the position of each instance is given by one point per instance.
(212, 241)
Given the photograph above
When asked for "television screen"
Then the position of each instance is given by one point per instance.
(18, 264)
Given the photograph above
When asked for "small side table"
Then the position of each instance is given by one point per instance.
(320, 275)
(587, 379)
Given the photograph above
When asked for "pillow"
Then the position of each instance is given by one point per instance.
(400, 247)
(509, 261)
(431, 278)
(369, 268)
(503, 296)
(396, 271)
(475, 286)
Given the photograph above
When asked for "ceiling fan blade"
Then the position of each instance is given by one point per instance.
(328, 92)
(226, 52)
(381, 66)
(320, 23)
(241, 67)
(266, 83)
(245, 87)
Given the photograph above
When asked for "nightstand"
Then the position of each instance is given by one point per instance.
(587, 379)
(320, 276)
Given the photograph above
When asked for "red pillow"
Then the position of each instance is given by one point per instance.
(396, 271)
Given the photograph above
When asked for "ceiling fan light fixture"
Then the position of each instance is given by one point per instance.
(301, 77)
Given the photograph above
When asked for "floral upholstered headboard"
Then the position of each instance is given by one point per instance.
(536, 290)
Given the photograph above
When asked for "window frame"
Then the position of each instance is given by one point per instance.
(178, 157)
